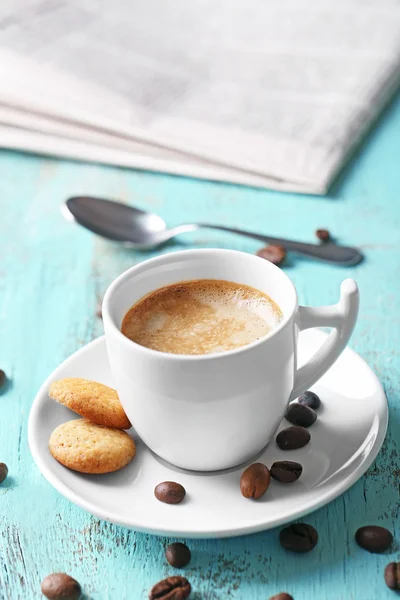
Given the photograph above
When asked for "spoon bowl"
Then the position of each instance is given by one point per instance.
(116, 221)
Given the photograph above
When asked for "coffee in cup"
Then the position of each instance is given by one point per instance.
(201, 317)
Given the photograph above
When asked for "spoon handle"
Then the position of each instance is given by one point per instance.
(329, 252)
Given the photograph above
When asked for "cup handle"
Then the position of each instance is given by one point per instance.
(342, 318)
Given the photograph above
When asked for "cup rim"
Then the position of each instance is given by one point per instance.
(157, 354)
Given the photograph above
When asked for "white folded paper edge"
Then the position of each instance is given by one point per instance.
(274, 101)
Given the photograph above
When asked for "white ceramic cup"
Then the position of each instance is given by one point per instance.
(214, 411)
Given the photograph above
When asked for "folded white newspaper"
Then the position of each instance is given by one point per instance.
(272, 93)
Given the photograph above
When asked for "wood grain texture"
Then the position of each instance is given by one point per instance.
(51, 277)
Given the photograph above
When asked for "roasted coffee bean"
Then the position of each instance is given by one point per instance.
(323, 235)
(299, 537)
(374, 538)
(3, 378)
(178, 555)
(310, 399)
(3, 472)
(59, 586)
(99, 311)
(170, 492)
(392, 575)
(172, 588)
(282, 596)
(299, 414)
(293, 438)
(275, 254)
(254, 481)
(286, 471)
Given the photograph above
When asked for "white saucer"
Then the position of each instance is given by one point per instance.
(346, 438)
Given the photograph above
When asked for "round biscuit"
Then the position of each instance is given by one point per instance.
(89, 448)
(91, 400)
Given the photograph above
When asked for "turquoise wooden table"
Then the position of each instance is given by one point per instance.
(52, 275)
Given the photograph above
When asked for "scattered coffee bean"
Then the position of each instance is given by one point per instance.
(323, 235)
(310, 399)
(170, 492)
(3, 378)
(299, 414)
(3, 472)
(293, 438)
(59, 586)
(299, 537)
(99, 312)
(374, 538)
(254, 481)
(178, 555)
(286, 471)
(172, 588)
(392, 576)
(275, 254)
(282, 596)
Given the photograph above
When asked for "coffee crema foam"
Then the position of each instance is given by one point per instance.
(201, 317)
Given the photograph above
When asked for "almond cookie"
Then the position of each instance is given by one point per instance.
(91, 400)
(89, 448)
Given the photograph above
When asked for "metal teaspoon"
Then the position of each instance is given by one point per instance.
(143, 230)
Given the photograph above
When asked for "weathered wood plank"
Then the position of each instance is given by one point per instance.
(51, 276)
